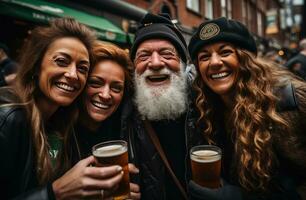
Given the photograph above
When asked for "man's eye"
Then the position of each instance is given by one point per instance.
(167, 54)
(143, 57)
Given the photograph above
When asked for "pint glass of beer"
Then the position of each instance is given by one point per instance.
(115, 153)
(206, 165)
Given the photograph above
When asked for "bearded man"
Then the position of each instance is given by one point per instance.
(162, 101)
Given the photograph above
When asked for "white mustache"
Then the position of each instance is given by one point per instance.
(150, 72)
(161, 102)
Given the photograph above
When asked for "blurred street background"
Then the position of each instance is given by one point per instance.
(277, 25)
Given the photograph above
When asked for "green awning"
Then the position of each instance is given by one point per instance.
(41, 11)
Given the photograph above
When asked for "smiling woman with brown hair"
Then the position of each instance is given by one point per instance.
(38, 111)
(253, 110)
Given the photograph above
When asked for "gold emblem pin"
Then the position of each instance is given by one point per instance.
(208, 31)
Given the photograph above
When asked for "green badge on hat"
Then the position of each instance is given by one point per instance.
(209, 31)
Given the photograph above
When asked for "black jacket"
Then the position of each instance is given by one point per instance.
(18, 178)
(144, 155)
(84, 139)
(288, 180)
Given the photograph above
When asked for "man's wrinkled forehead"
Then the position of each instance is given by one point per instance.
(155, 45)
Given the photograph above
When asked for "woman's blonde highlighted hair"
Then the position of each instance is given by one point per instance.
(26, 88)
(251, 118)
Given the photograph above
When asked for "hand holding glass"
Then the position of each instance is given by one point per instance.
(115, 153)
(206, 165)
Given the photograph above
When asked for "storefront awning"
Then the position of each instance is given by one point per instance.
(40, 11)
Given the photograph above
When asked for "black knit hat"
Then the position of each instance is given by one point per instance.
(159, 27)
(221, 29)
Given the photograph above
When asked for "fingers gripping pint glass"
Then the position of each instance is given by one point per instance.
(115, 153)
(206, 165)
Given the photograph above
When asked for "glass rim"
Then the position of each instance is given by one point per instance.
(106, 143)
(206, 147)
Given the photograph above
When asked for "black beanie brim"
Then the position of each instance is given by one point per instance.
(159, 27)
(221, 30)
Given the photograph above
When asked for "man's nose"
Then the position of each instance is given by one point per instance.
(156, 62)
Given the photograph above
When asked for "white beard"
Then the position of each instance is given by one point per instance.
(161, 102)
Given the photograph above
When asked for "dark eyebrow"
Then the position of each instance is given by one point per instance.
(225, 45)
(203, 51)
(85, 62)
(118, 82)
(222, 46)
(63, 54)
(69, 57)
(96, 77)
(101, 79)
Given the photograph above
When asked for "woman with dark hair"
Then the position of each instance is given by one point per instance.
(38, 112)
(254, 110)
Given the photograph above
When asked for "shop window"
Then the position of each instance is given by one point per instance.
(226, 8)
(208, 9)
(193, 5)
(259, 24)
(244, 12)
(223, 8)
(229, 9)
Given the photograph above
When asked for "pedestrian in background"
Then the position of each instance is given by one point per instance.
(255, 111)
(297, 64)
(272, 55)
(8, 67)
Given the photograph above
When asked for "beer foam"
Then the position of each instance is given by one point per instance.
(205, 156)
(108, 151)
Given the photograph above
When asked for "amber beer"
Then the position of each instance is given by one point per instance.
(115, 153)
(206, 165)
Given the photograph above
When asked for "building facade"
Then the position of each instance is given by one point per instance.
(263, 18)
(267, 20)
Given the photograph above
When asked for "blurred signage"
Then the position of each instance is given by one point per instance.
(42, 11)
(272, 21)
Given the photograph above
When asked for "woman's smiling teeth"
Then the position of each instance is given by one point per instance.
(219, 75)
(65, 87)
(101, 105)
